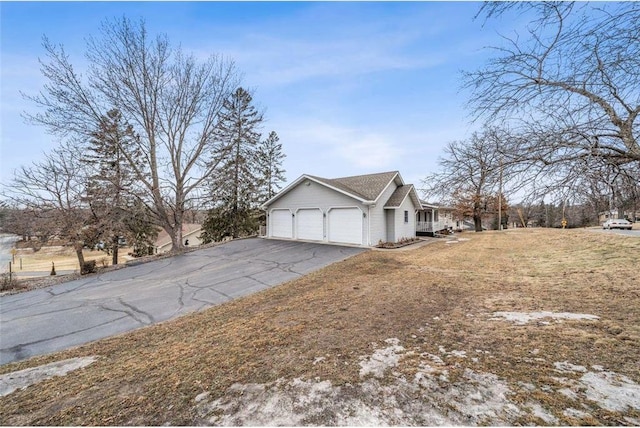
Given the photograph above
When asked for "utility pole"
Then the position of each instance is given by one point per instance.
(500, 198)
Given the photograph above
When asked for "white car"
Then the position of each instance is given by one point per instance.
(617, 223)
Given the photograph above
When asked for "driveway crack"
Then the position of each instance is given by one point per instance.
(133, 312)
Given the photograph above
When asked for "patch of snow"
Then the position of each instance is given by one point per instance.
(202, 396)
(454, 353)
(575, 413)
(565, 367)
(526, 385)
(607, 389)
(612, 391)
(428, 399)
(539, 412)
(381, 360)
(10, 382)
(521, 318)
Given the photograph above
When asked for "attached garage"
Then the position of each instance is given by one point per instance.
(345, 225)
(281, 224)
(358, 210)
(309, 224)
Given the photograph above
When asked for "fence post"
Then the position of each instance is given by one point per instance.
(10, 273)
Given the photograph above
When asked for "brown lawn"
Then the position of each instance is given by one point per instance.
(438, 301)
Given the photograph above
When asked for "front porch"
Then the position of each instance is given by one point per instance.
(432, 219)
(429, 228)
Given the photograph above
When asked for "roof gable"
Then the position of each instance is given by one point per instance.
(365, 188)
(369, 186)
(400, 194)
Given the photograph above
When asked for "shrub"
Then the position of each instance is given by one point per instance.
(7, 282)
(88, 267)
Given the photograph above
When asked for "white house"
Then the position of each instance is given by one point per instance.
(360, 210)
(432, 218)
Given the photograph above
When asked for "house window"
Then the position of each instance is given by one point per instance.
(406, 216)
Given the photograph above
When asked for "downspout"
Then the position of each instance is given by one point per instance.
(369, 225)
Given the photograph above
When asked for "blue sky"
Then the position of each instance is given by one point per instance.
(350, 88)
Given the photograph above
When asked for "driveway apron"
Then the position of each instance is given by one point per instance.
(77, 312)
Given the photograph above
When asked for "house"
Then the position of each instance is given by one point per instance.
(360, 210)
(190, 231)
(432, 218)
(628, 214)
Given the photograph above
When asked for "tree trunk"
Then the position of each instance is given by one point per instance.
(114, 259)
(477, 222)
(176, 237)
(78, 248)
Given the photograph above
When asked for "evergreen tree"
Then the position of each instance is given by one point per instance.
(235, 185)
(110, 155)
(269, 164)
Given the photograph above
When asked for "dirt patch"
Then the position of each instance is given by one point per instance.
(383, 338)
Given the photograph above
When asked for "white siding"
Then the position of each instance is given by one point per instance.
(408, 229)
(377, 217)
(391, 225)
(317, 196)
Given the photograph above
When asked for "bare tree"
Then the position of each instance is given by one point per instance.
(52, 190)
(469, 175)
(571, 86)
(172, 101)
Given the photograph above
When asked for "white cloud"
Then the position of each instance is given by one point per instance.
(340, 150)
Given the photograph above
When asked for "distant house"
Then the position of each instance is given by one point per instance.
(361, 210)
(189, 231)
(628, 214)
(432, 218)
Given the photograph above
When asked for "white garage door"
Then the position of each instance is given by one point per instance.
(281, 224)
(345, 225)
(309, 224)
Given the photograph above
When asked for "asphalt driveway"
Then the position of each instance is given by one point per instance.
(76, 312)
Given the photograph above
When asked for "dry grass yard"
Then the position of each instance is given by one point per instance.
(522, 327)
(64, 258)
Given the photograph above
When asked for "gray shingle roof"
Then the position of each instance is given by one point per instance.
(367, 187)
(398, 196)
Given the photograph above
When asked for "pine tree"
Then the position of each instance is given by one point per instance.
(269, 164)
(111, 183)
(234, 187)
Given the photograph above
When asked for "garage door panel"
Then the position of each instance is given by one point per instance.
(309, 224)
(281, 224)
(345, 225)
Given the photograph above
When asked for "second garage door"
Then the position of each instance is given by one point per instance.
(309, 224)
(345, 225)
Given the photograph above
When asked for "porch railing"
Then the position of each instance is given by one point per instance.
(432, 226)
